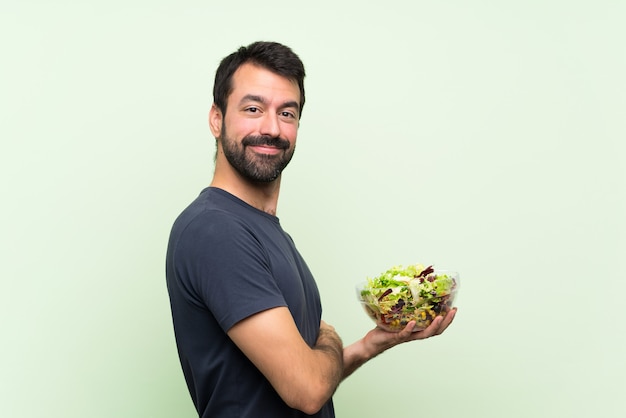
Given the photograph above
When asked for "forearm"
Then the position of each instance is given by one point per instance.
(354, 356)
(324, 371)
(304, 376)
(330, 346)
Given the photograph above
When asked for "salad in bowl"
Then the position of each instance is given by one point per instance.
(404, 294)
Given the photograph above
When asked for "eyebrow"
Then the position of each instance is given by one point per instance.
(260, 99)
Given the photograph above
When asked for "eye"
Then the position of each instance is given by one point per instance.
(252, 109)
(287, 114)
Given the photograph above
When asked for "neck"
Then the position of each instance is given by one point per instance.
(263, 196)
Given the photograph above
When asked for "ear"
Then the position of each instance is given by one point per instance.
(215, 121)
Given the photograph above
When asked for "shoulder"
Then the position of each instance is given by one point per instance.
(216, 223)
(210, 211)
(209, 226)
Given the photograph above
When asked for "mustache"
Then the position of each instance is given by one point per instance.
(267, 140)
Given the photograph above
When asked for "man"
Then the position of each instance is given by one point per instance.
(245, 307)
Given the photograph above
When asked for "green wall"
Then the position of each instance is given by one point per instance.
(482, 136)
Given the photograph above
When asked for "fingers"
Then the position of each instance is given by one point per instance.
(433, 328)
(447, 320)
(384, 340)
(407, 331)
(407, 334)
(436, 327)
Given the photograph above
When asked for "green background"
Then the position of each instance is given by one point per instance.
(481, 136)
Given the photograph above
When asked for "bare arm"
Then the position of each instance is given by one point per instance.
(304, 377)
(377, 341)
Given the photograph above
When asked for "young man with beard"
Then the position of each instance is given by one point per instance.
(245, 307)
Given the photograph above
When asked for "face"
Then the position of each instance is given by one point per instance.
(258, 132)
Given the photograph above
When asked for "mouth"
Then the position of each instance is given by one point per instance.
(266, 149)
(266, 144)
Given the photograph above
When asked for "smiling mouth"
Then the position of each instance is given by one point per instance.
(267, 143)
(266, 149)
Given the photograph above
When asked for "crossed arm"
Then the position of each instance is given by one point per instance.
(306, 377)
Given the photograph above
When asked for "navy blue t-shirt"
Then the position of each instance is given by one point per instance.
(227, 260)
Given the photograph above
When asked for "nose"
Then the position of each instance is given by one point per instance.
(270, 125)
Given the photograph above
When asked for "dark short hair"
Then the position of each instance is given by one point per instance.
(272, 56)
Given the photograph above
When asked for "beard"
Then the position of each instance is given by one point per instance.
(260, 168)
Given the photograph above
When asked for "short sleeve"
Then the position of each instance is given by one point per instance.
(225, 267)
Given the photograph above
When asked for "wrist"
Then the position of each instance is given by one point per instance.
(365, 350)
(355, 355)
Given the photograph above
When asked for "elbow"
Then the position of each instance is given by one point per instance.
(312, 410)
(308, 406)
(311, 407)
(312, 399)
